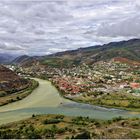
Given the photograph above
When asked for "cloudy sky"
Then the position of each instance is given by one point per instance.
(39, 27)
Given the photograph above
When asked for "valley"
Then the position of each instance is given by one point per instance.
(113, 83)
(70, 69)
(105, 92)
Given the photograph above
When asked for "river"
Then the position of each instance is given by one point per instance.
(46, 100)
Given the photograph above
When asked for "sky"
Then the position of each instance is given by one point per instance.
(41, 27)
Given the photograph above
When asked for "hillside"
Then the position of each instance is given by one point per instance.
(26, 61)
(10, 82)
(7, 74)
(14, 87)
(124, 49)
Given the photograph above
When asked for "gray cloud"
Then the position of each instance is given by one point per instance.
(10, 46)
(38, 27)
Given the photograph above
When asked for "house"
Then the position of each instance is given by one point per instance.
(135, 85)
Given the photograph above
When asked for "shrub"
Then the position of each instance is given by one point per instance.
(84, 135)
(52, 121)
(59, 117)
(117, 119)
(18, 98)
(33, 115)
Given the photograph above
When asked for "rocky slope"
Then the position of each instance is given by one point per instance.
(10, 82)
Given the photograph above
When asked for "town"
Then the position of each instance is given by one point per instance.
(105, 83)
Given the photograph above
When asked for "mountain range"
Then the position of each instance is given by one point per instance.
(129, 49)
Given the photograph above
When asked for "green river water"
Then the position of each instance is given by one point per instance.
(46, 100)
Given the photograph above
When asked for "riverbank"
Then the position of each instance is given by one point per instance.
(134, 110)
(46, 100)
(20, 94)
(64, 127)
(118, 101)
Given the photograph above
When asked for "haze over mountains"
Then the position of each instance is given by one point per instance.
(6, 58)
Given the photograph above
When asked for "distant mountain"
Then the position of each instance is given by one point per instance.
(6, 58)
(26, 61)
(124, 49)
(21, 59)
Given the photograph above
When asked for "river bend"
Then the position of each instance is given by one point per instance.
(46, 100)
